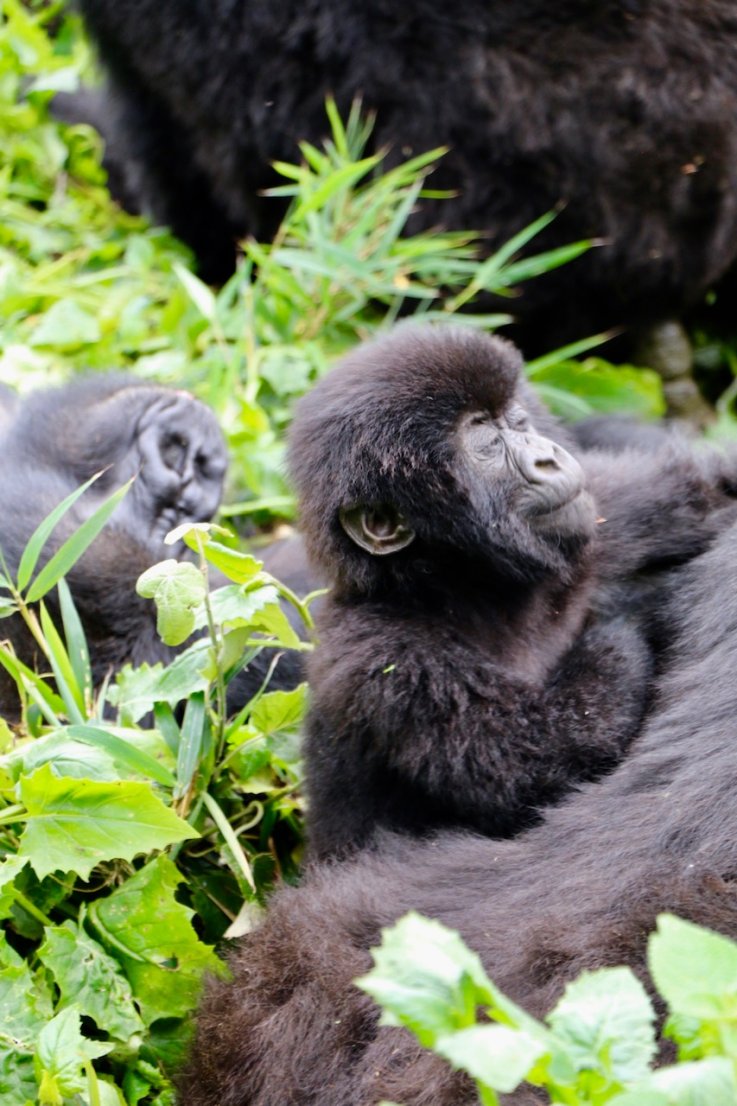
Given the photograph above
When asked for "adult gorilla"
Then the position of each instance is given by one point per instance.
(623, 112)
(581, 890)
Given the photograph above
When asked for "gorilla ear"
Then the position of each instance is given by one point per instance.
(378, 530)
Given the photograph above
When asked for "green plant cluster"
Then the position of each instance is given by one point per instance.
(129, 814)
(598, 1044)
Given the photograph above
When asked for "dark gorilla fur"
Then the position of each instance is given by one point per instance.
(55, 440)
(624, 112)
(473, 673)
(580, 891)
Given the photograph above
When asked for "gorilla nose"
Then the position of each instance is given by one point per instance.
(544, 461)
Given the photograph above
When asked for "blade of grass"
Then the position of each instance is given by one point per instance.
(66, 681)
(79, 656)
(136, 760)
(40, 535)
(73, 548)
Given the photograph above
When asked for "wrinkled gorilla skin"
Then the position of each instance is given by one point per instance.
(580, 891)
(485, 643)
(624, 113)
(55, 440)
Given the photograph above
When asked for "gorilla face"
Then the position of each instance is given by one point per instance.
(521, 473)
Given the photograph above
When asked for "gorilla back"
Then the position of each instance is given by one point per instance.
(582, 890)
(622, 112)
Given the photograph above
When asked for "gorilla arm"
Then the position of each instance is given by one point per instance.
(418, 729)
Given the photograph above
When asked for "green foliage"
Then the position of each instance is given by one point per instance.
(596, 1046)
(128, 851)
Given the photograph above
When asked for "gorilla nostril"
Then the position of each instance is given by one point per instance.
(547, 464)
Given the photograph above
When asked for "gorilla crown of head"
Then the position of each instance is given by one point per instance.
(419, 447)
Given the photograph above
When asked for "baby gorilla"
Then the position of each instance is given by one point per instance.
(473, 662)
(54, 441)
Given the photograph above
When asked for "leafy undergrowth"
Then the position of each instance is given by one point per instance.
(597, 1046)
(139, 825)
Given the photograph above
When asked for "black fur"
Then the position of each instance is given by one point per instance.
(580, 891)
(624, 113)
(55, 440)
(472, 676)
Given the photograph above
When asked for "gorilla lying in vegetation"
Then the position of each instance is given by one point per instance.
(55, 440)
(582, 890)
(623, 113)
(484, 645)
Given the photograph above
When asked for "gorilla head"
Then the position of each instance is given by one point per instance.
(422, 448)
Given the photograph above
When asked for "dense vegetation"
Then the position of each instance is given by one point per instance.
(140, 827)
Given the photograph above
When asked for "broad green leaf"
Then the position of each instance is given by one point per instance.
(25, 1007)
(694, 969)
(151, 935)
(240, 567)
(133, 692)
(278, 710)
(61, 1052)
(72, 549)
(495, 1055)
(601, 388)
(233, 605)
(90, 979)
(605, 1021)
(708, 1082)
(74, 824)
(424, 977)
(178, 589)
(272, 620)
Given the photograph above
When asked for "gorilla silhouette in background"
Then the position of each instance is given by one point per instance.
(580, 891)
(485, 643)
(623, 113)
(55, 440)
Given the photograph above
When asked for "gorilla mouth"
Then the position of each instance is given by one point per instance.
(547, 506)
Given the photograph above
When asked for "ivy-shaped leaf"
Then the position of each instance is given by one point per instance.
(73, 825)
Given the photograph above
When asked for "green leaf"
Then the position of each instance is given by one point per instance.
(90, 979)
(129, 756)
(199, 293)
(193, 738)
(72, 549)
(234, 605)
(61, 1052)
(66, 326)
(41, 534)
(25, 1007)
(494, 1055)
(425, 978)
(178, 589)
(151, 935)
(10, 867)
(74, 824)
(694, 969)
(605, 1022)
(279, 710)
(708, 1082)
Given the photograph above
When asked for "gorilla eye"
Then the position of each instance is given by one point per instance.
(173, 451)
(480, 418)
(202, 464)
